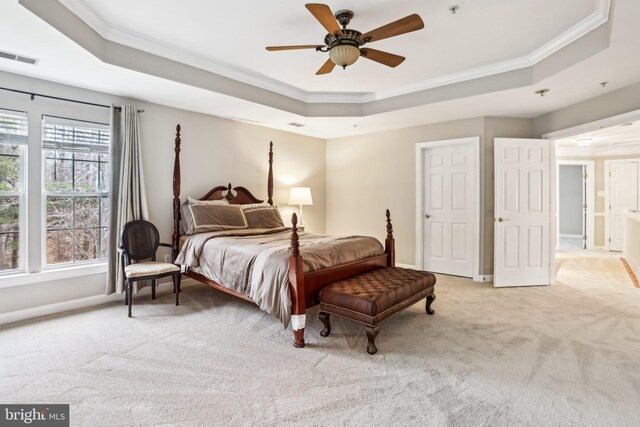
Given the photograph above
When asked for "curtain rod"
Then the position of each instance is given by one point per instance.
(33, 96)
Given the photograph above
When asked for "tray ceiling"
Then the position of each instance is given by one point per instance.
(482, 38)
(70, 52)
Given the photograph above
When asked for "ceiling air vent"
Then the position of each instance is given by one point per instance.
(19, 58)
(296, 124)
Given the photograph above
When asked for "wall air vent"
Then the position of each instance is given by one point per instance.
(19, 58)
(296, 124)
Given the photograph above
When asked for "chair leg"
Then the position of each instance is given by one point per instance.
(372, 333)
(176, 281)
(153, 288)
(126, 294)
(430, 299)
(325, 318)
(129, 295)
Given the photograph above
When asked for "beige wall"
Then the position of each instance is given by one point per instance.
(368, 173)
(217, 151)
(214, 151)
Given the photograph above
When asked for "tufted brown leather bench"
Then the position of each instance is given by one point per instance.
(372, 297)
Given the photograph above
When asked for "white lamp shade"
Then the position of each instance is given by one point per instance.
(344, 55)
(300, 196)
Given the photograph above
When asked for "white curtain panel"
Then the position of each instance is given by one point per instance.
(128, 196)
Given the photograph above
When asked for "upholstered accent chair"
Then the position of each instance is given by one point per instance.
(139, 242)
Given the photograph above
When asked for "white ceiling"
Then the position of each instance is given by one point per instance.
(616, 136)
(235, 33)
(64, 61)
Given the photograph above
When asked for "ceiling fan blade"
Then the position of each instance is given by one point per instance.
(303, 46)
(324, 15)
(388, 59)
(326, 68)
(401, 26)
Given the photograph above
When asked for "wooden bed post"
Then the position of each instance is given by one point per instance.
(176, 193)
(270, 176)
(296, 281)
(390, 243)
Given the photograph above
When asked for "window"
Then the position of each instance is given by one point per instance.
(13, 144)
(76, 190)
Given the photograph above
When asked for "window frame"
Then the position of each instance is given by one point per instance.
(23, 150)
(73, 195)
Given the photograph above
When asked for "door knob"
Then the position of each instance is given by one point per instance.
(427, 216)
(500, 219)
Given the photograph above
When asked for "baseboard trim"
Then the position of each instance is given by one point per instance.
(412, 267)
(483, 278)
(80, 303)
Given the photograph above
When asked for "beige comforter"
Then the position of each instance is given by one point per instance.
(255, 262)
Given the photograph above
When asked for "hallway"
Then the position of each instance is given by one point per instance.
(591, 269)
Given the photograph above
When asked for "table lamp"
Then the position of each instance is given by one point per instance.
(300, 196)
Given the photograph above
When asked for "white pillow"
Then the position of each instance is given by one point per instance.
(192, 201)
(255, 205)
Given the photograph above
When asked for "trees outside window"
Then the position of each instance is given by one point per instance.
(76, 188)
(13, 145)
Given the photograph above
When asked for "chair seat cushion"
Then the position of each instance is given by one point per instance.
(372, 297)
(149, 268)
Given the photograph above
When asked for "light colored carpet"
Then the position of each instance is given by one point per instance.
(546, 356)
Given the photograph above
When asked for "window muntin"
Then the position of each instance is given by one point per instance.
(76, 183)
(13, 146)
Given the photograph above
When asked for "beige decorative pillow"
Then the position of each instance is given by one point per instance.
(262, 216)
(212, 217)
(192, 201)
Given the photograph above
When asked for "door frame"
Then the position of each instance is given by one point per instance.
(591, 196)
(607, 171)
(421, 168)
(611, 121)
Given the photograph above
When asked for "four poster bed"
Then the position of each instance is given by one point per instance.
(307, 262)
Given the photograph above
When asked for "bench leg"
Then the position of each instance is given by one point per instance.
(325, 318)
(430, 299)
(372, 333)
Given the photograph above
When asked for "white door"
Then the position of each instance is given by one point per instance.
(521, 234)
(449, 209)
(623, 195)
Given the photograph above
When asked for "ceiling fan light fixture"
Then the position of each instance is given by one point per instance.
(344, 55)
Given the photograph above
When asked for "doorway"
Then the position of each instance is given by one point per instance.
(448, 188)
(608, 255)
(575, 201)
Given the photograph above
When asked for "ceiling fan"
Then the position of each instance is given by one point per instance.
(344, 45)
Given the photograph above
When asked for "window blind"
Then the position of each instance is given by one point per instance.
(77, 136)
(13, 127)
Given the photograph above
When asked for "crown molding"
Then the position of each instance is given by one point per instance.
(599, 17)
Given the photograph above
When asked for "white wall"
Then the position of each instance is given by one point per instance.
(215, 151)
